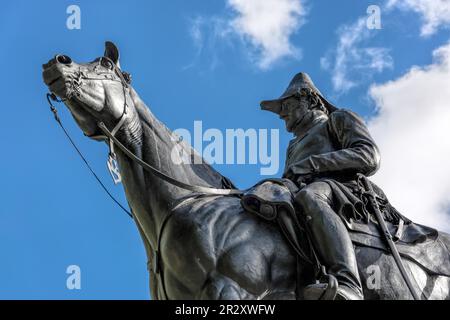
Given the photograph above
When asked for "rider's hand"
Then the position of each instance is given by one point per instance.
(289, 175)
(303, 179)
(300, 180)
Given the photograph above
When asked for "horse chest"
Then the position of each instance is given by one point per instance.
(187, 256)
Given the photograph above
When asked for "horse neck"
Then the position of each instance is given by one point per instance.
(150, 197)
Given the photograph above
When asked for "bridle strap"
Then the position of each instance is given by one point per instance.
(162, 175)
(113, 140)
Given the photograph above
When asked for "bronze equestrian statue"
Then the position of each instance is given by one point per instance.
(330, 147)
(205, 245)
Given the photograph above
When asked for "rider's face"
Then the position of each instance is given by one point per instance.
(293, 110)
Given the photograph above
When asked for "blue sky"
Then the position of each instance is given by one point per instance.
(191, 60)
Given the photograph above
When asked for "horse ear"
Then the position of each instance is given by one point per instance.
(112, 52)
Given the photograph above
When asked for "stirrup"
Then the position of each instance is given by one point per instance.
(326, 289)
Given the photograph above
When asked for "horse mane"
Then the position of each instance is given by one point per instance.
(201, 168)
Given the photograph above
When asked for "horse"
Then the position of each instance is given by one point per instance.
(201, 245)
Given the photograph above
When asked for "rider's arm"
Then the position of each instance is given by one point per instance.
(358, 153)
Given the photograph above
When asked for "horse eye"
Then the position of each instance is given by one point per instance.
(107, 64)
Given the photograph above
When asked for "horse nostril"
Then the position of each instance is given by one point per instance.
(63, 59)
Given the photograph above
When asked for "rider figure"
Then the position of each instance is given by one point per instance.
(331, 146)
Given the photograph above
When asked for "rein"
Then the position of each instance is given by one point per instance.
(161, 175)
(58, 120)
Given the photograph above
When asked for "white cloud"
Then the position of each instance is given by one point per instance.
(267, 26)
(412, 129)
(208, 34)
(435, 13)
(351, 61)
(264, 27)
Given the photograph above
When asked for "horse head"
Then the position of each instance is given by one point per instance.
(94, 92)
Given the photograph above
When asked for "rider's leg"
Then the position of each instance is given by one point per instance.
(330, 238)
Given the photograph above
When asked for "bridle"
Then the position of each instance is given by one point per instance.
(110, 135)
(112, 163)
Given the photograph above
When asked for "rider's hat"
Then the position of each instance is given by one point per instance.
(299, 82)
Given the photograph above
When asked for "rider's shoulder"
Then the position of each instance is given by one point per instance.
(344, 117)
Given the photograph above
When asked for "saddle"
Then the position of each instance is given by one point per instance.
(272, 199)
(270, 196)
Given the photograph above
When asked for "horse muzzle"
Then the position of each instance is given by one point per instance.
(58, 75)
